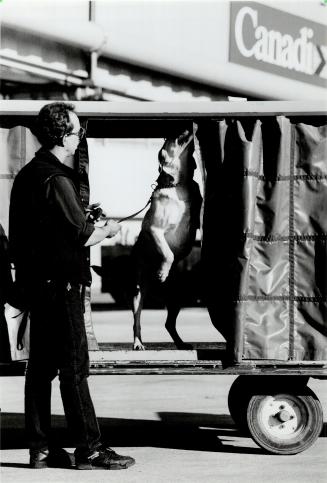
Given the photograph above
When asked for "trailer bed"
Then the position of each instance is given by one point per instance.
(164, 358)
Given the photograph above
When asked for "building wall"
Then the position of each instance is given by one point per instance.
(191, 41)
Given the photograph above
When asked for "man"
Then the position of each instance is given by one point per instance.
(48, 236)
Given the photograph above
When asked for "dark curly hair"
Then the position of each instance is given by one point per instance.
(53, 123)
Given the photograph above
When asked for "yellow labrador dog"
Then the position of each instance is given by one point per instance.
(168, 232)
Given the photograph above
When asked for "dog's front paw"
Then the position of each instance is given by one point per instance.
(163, 272)
(138, 346)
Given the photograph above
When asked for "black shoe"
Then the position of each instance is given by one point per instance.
(104, 459)
(55, 458)
(38, 458)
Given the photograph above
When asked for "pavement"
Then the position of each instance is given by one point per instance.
(176, 427)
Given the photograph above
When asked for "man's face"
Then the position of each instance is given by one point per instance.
(72, 140)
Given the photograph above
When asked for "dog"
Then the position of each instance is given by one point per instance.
(167, 233)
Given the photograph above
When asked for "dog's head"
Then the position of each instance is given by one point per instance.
(176, 162)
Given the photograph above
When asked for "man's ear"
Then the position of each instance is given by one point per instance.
(63, 141)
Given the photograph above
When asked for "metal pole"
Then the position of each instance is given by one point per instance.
(91, 10)
(93, 54)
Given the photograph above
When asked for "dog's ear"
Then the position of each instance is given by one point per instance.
(184, 137)
(163, 156)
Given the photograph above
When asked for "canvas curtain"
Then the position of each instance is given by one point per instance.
(264, 235)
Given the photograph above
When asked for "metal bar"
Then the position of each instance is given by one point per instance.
(184, 368)
(38, 67)
(201, 357)
(173, 110)
(156, 346)
(217, 370)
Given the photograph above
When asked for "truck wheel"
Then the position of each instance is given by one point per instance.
(285, 423)
(239, 396)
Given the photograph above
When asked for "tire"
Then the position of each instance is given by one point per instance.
(239, 397)
(285, 422)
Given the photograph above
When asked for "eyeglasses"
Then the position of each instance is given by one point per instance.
(80, 133)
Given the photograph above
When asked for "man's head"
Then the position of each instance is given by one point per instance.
(58, 125)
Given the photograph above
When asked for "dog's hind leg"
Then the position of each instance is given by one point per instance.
(137, 305)
(172, 313)
(173, 308)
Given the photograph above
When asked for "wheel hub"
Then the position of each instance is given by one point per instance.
(282, 416)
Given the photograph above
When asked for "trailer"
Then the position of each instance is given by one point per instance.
(271, 307)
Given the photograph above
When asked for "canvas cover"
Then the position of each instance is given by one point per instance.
(264, 235)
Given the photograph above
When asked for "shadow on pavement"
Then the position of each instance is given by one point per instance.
(197, 432)
(187, 431)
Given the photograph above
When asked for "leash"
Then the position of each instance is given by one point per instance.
(129, 217)
(138, 212)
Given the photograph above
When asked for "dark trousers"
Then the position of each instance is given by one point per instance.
(58, 344)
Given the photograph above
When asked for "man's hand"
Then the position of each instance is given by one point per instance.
(94, 212)
(110, 229)
(113, 227)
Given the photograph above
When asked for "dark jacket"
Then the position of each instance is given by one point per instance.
(47, 224)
